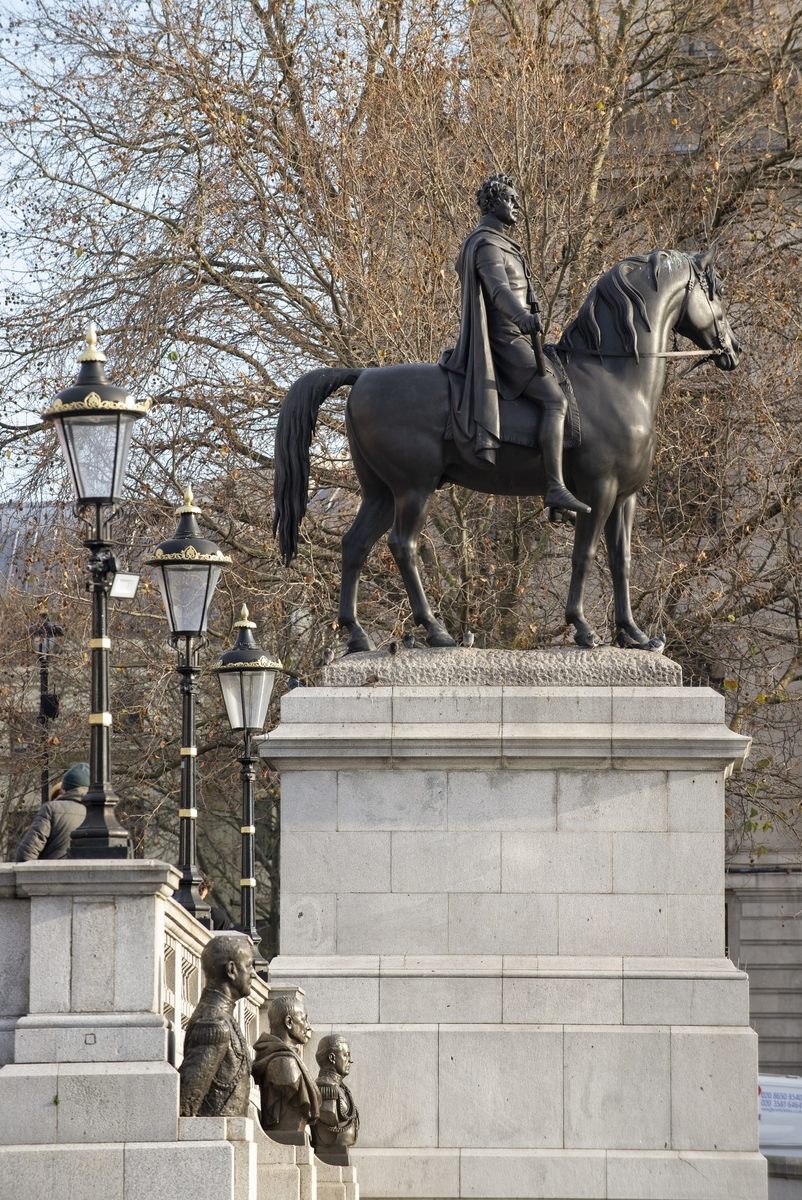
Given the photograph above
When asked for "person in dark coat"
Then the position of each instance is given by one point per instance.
(220, 918)
(49, 833)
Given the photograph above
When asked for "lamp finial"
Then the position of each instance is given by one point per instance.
(189, 505)
(91, 353)
(244, 622)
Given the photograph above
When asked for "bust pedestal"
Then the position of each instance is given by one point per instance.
(510, 899)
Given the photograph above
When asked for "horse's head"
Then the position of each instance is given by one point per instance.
(703, 318)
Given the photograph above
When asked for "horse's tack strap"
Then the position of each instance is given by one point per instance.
(642, 354)
(573, 428)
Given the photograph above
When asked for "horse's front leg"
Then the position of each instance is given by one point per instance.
(372, 520)
(410, 516)
(618, 536)
(586, 543)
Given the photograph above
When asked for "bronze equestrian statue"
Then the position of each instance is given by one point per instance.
(413, 428)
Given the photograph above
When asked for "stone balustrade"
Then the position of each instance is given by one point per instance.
(99, 975)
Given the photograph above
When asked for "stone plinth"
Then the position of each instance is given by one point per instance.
(569, 667)
(510, 898)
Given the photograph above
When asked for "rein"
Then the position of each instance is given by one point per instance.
(568, 351)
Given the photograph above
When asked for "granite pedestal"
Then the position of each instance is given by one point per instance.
(510, 897)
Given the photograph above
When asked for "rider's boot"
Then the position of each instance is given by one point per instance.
(557, 495)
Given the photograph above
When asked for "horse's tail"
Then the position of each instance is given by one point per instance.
(294, 432)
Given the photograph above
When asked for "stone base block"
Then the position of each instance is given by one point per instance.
(68, 1172)
(88, 1102)
(404, 1174)
(180, 1170)
(90, 1037)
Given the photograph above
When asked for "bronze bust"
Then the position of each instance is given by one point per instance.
(337, 1126)
(215, 1073)
(290, 1099)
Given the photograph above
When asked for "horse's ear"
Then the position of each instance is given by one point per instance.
(708, 257)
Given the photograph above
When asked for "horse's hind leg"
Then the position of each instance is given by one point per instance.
(618, 536)
(410, 516)
(374, 518)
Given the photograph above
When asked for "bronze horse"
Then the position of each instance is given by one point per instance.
(615, 355)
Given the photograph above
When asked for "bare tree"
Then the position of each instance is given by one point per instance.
(240, 192)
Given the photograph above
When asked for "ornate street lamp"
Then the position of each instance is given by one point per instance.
(44, 634)
(247, 675)
(94, 422)
(188, 568)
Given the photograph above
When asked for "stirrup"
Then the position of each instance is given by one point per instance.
(560, 497)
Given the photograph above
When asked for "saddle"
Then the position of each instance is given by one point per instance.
(520, 419)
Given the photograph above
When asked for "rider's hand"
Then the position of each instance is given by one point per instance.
(530, 323)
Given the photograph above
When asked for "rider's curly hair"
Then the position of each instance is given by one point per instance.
(491, 189)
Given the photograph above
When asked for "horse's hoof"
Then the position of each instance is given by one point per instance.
(587, 641)
(442, 640)
(627, 642)
(359, 644)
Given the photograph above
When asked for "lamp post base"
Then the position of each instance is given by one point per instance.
(189, 897)
(101, 835)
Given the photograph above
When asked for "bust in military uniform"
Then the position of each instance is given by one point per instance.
(290, 1099)
(216, 1070)
(337, 1127)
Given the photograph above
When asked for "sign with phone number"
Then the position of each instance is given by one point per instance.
(771, 1101)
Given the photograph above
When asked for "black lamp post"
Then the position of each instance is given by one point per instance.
(44, 634)
(94, 422)
(246, 677)
(188, 568)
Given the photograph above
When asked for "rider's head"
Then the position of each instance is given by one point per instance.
(490, 191)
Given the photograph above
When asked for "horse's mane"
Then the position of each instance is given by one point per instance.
(621, 295)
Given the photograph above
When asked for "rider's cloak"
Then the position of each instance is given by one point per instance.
(478, 367)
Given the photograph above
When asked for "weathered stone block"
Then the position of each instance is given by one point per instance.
(308, 924)
(521, 1174)
(414, 800)
(66, 1172)
(545, 1001)
(502, 924)
(501, 1063)
(333, 862)
(410, 999)
(308, 801)
(180, 1170)
(687, 1175)
(28, 1109)
(502, 800)
(446, 862)
(117, 1102)
(607, 924)
(714, 1102)
(408, 1173)
(392, 923)
(556, 862)
(617, 1088)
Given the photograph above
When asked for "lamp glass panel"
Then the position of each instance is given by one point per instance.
(232, 697)
(187, 590)
(96, 447)
(257, 686)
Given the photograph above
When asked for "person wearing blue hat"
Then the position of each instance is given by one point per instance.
(49, 833)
